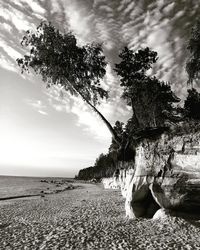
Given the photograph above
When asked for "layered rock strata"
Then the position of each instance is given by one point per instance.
(166, 174)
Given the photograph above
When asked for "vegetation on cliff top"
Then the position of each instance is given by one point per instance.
(60, 61)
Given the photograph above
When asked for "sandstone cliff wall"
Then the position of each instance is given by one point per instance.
(166, 174)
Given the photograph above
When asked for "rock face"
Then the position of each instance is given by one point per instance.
(111, 183)
(121, 178)
(166, 174)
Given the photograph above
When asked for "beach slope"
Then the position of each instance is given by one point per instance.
(88, 217)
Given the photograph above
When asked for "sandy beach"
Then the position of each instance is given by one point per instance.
(88, 217)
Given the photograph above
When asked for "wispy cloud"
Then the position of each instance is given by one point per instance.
(37, 106)
(87, 119)
(7, 64)
(115, 23)
(42, 112)
(34, 5)
(5, 26)
(12, 53)
(15, 16)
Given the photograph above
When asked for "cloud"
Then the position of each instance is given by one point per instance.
(7, 64)
(115, 23)
(90, 121)
(34, 5)
(87, 119)
(78, 13)
(37, 105)
(129, 23)
(42, 112)
(18, 19)
(12, 53)
(6, 27)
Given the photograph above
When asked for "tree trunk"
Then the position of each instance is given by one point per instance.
(135, 114)
(109, 126)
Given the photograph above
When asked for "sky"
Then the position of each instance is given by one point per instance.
(44, 134)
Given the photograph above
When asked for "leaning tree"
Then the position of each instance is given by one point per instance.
(192, 102)
(193, 63)
(61, 61)
(149, 97)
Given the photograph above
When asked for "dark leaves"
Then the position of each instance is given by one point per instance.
(146, 94)
(192, 104)
(193, 64)
(59, 60)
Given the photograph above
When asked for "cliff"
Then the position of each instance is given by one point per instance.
(165, 174)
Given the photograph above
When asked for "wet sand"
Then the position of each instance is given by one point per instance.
(88, 218)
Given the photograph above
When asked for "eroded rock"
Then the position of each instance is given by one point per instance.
(169, 169)
(161, 214)
(166, 175)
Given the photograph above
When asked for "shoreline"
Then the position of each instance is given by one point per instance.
(88, 218)
(22, 187)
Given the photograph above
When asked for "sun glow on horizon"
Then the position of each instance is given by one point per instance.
(33, 151)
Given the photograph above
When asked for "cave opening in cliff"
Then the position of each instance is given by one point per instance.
(151, 205)
(144, 204)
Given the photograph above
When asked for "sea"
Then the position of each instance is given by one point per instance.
(11, 186)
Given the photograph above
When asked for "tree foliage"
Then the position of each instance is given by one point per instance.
(104, 166)
(193, 64)
(192, 104)
(152, 103)
(119, 129)
(61, 61)
(124, 151)
(147, 96)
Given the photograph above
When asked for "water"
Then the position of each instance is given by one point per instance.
(18, 186)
